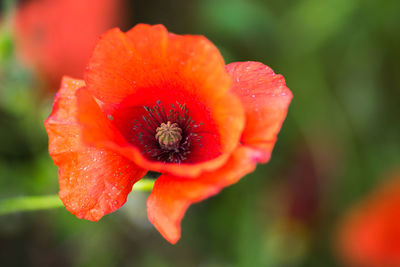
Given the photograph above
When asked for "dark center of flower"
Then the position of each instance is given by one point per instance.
(169, 135)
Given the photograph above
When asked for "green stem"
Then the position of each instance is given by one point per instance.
(145, 185)
(29, 204)
(32, 203)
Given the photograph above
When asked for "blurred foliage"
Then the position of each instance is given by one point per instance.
(340, 58)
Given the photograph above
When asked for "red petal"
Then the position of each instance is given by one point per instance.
(369, 234)
(93, 182)
(147, 64)
(148, 57)
(265, 98)
(100, 132)
(57, 37)
(171, 196)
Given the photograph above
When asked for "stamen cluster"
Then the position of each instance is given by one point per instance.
(166, 134)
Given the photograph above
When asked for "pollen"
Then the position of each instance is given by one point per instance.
(169, 135)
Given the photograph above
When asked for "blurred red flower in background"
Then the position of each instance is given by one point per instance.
(369, 235)
(56, 37)
(153, 100)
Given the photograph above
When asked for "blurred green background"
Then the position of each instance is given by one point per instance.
(340, 58)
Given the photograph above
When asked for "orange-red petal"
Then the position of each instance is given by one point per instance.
(369, 235)
(99, 131)
(265, 98)
(148, 57)
(93, 181)
(172, 196)
(148, 64)
(56, 37)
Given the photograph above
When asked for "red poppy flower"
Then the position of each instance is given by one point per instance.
(153, 100)
(56, 37)
(369, 235)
